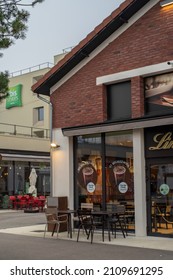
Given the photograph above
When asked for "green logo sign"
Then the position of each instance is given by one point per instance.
(14, 98)
(164, 189)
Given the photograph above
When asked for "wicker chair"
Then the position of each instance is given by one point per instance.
(54, 221)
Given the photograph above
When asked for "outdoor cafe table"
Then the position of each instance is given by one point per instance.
(105, 214)
(69, 213)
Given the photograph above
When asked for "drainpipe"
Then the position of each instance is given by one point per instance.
(51, 138)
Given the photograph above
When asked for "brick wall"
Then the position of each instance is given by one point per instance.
(149, 41)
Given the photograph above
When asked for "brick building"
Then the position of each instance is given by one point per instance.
(112, 99)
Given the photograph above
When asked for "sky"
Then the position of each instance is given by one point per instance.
(53, 26)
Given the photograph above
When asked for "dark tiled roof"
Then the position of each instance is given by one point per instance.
(109, 25)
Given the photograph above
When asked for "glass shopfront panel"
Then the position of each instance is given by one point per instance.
(89, 169)
(14, 177)
(159, 172)
(104, 171)
(21, 177)
(43, 177)
(119, 167)
(119, 173)
(161, 197)
(6, 177)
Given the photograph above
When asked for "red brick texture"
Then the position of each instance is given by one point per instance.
(148, 41)
(137, 93)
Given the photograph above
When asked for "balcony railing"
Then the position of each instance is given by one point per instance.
(31, 69)
(25, 131)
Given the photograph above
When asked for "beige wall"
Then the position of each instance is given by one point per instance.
(58, 57)
(23, 119)
(11, 142)
(24, 116)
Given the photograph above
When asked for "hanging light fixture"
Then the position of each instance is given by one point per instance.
(166, 3)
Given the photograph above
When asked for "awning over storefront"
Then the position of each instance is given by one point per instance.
(18, 157)
(118, 126)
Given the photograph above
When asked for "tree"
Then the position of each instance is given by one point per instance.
(13, 26)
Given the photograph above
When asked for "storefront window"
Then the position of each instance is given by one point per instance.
(161, 198)
(159, 172)
(14, 177)
(6, 177)
(21, 177)
(89, 169)
(158, 94)
(43, 177)
(104, 169)
(119, 168)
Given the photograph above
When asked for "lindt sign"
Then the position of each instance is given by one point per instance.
(163, 141)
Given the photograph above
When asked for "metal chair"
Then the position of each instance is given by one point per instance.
(117, 219)
(87, 205)
(88, 223)
(83, 205)
(85, 223)
(163, 215)
(54, 221)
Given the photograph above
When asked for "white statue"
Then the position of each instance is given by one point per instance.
(32, 181)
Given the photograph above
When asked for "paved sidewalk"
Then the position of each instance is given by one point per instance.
(131, 241)
(37, 230)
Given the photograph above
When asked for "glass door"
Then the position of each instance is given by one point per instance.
(160, 197)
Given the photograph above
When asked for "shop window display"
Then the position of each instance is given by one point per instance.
(158, 94)
(6, 177)
(89, 169)
(21, 177)
(119, 167)
(104, 169)
(14, 177)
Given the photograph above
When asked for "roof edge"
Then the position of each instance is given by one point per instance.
(75, 56)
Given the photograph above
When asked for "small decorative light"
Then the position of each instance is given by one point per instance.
(54, 145)
(166, 3)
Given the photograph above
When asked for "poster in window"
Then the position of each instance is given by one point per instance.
(159, 93)
(87, 174)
